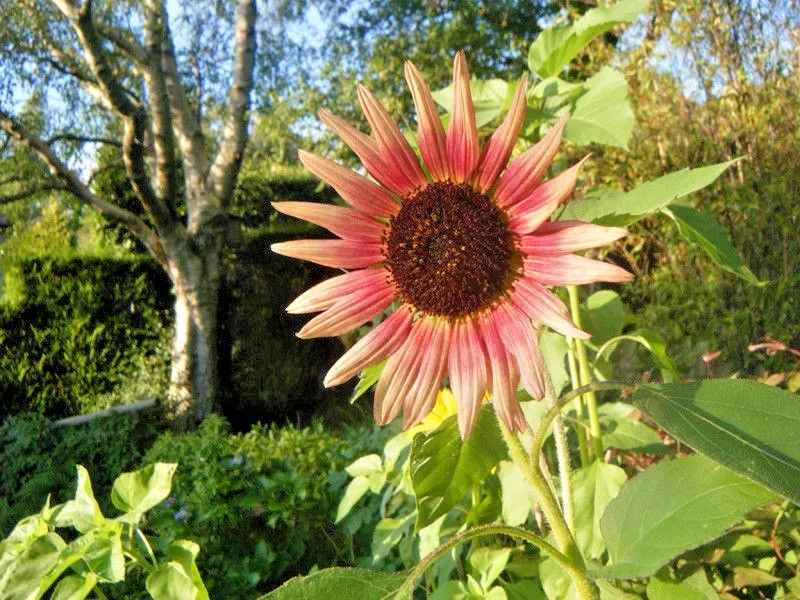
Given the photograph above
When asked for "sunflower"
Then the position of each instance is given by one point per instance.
(462, 248)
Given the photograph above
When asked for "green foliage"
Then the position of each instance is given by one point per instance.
(443, 468)
(747, 426)
(39, 459)
(34, 556)
(671, 508)
(557, 46)
(79, 328)
(261, 504)
(349, 584)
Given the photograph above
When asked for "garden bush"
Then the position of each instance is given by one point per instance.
(77, 327)
(39, 459)
(260, 504)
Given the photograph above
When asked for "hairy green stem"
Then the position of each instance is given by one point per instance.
(529, 465)
(578, 574)
(580, 432)
(562, 452)
(540, 434)
(586, 376)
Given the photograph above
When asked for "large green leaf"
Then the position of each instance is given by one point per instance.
(170, 582)
(664, 586)
(443, 468)
(21, 581)
(750, 427)
(602, 114)
(702, 231)
(83, 513)
(604, 315)
(341, 584)
(139, 491)
(555, 47)
(673, 507)
(184, 553)
(617, 208)
(594, 487)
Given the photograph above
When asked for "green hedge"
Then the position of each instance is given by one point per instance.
(39, 459)
(73, 329)
(261, 504)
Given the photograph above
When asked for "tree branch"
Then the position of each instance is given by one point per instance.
(133, 145)
(84, 139)
(74, 185)
(163, 136)
(127, 45)
(191, 140)
(35, 188)
(226, 165)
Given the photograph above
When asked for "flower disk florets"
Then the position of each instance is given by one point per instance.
(449, 250)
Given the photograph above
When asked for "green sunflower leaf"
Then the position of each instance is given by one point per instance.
(444, 468)
(611, 207)
(341, 583)
(602, 114)
(702, 231)
(646, 525)
(556, 46)
(749, 427)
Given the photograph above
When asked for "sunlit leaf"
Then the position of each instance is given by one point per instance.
(341, 584)
(443, 468)
(556, 46)
(749, 427)
(594, 487)
(673, 507)
(702, 231)
(623, 208)
(602, 114)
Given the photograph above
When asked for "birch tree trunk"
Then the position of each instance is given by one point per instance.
(161, 131)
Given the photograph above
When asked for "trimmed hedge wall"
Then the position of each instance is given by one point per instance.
(75, 328)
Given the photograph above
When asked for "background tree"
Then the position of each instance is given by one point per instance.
(114, 75)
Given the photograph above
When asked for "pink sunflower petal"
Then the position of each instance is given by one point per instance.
(521, 341)
(341, 254)
(420, 399)
(432, 139)
(463, 147)
(543, 306)
(563, 237)
(524, 174)
(394, 146)
(571, 269)
(402, 368)
(371, 349)
(467, 372)
(349, 312)
(497, 150)
(529, 213)
(380, 165)
(505, 376)
(359, 192)
(327, 293)
(339, 220)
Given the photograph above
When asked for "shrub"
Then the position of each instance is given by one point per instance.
(78, 328)
(260, 504)
(38, 458)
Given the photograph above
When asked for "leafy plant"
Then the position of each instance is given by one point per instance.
(96, 549)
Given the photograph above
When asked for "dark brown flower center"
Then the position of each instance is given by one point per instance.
(449, 250)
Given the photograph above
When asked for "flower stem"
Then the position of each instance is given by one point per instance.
(583, 449)
(585, 585)
(541, 432)
(586, 376)
(529, 466)
(562, 452)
